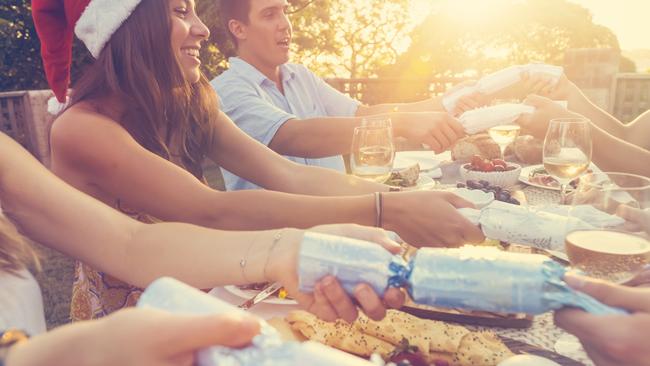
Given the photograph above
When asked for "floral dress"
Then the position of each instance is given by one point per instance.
(96, 294)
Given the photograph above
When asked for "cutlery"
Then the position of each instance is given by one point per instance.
(267, 291)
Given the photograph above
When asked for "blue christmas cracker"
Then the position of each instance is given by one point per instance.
(470, 278)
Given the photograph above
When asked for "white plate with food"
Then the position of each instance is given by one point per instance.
(246, 293)
(428, 160)
(423, 182)
(536, 176)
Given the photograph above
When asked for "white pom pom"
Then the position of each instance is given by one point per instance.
(55, 107)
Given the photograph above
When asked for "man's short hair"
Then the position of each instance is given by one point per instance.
(234, 9)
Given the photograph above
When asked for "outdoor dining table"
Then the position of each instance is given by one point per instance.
(542, 333)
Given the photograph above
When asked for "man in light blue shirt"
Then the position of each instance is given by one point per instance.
(292, 111)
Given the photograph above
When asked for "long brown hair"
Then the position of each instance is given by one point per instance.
(138, 67)
(15, 253)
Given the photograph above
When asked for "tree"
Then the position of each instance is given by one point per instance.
(21, 67)
(338, 37)
(351, 38)
(506, 32)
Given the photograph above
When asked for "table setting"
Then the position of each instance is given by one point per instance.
(545, 209)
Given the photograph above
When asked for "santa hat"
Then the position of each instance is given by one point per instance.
(56, 22)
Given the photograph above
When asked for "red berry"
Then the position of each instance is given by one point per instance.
(499, 168)
(487, 166)
(476, 160)
(499, 162)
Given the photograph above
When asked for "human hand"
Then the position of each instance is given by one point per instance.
(545, 86)
(135, 337)
(613, 339)
(429, 218)
(636, 219)
(329, 301)
(537, 123)
(438, 130)
(469, 101)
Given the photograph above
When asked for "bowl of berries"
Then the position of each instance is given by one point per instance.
(495, 171)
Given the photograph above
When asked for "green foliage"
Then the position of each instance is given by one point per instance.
(21, 67)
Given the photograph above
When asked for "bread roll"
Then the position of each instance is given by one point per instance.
(480, 144)
(528, 149)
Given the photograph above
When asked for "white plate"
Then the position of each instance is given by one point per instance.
(479, 198)
(247, 294)
(525, 173)
(424, 182)
(427, 160)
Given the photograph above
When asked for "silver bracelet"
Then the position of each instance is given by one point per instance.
(244, 261)
(276, 239)
(377, 209)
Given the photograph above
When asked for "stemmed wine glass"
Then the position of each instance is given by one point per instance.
(567, 150)
(504, 135)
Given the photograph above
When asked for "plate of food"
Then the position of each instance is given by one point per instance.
(537, 176)
(427, 160)
(246, 292)
(410, 178)
(401, 337)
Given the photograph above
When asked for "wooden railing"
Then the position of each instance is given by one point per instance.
(389, 90)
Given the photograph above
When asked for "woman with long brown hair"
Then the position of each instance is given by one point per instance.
(142, 119)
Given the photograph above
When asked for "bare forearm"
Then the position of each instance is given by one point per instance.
(315, 138)
(427, 105)
(614, 154)
(578, 102)
(319, 181)
(200, 257)
(261, 210)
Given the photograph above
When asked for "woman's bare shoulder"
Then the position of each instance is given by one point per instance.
(81, 133)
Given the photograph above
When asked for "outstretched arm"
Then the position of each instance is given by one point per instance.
(55, 214)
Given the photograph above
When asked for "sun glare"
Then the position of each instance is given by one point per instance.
(467, 11)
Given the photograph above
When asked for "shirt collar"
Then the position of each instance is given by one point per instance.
(249, 71)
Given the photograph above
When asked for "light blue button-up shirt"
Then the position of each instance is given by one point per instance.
(256, 105)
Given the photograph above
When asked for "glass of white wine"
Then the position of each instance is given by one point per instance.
(504, 135)
(618, 251)
(567, 150)
(372, 153)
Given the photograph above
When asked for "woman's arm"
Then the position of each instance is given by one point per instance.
(636, 132)
(610, 153)
(97, 154)
(54, 214)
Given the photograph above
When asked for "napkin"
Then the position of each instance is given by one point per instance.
(500, 80)
(481, 119)
(434, 174)
(521, 225)
(267, 348)
(586, 213)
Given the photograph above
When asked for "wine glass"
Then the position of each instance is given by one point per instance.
(617, 206)
(372, 153)
(504, 135)
(567, 150)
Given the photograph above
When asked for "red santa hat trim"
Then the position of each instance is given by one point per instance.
(56, 22)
